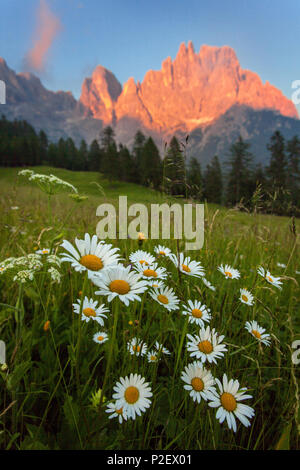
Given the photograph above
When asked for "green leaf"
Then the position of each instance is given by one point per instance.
(284, 441)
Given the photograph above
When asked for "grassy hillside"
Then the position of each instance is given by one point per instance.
(50, 393)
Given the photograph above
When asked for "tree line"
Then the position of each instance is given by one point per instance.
(240, 182)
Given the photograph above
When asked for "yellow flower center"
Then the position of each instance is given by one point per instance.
(270, 279)
(196, 313)
(119, 411)
(162, 253)
(154, 285)
(119, 286)
(205, 346)
(256, 334)
(228, 401)
(136, 348)
(228, 273)
(45, 251)
(153, 358)
(92, 262)
(142, 261)
(89, 312)
(150, 273)
(197, 384)
(163, 299)
(131, 395)
(185, 268)
(245, 298)
(100, 338)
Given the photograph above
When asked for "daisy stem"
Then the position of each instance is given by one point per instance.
(79, 330)
(112, 344)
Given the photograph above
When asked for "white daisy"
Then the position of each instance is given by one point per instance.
(229, 272)
(118, 281)
(90, 255)
(281, 265)
(100, 337)
(186, 266)
(196, 312)
(258, 332)
(91, 311)
(152, 356)
(198, 381)
(137, 347)
(132, 394)
(116, 412)
(141, 257)
(162, 251)
(246, 297)
(44, 251)
(166, 297)
(207, 346)
(226, 400)
(151, 272)
(161, 349)
(155, 284)
(208, 284)
(275, 281)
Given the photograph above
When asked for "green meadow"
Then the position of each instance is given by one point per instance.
(57, 382)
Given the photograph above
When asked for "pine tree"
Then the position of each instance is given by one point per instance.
(94, 156)
(150, 165)
(293, 169)
(174, 172)
(194, 179)
(213, 182)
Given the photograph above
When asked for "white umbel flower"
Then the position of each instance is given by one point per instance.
(199, 381)
(227, 401)
(162, 251)
(275, 281)
(133, 395)
(90, 255)
(197, 313)
(91, 311)
(246, 297)
(100, 337)
(186, 266)
(207, 346)
(258, 332)
(166, 297)
(229, 272)
(142, 258)
(137, 347)
(116, 412)
(118, 281)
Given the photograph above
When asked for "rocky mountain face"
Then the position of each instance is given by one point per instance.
(205, 94)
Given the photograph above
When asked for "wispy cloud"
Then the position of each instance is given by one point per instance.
(47, 27)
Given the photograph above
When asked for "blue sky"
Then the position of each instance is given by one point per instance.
(130, 37)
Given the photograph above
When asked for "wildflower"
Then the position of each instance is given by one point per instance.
(44, 251)
(100, 337)
(227, 401)
(46, 326)
(197, 313)
(23, 276)
(166, 297)
(161, 349)
(137, 347)
(91, 311)
(95, 398)
(15, 208)
(55, 275)
(152, 356)
(208, 284)
(116, 412)
(281, 265)
(275, 281)
(186, 266)
(132, 394)
(258, 332)
(198, 381)
(229, 272)
(246, 297)
(90, 255)
(207, 346)
(162, 251)
(151, 272)
(141, 257)
(118, 281)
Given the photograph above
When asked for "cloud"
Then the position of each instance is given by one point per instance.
(47, 28)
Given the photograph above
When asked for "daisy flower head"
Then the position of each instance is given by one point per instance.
(142, 258)
(133, 395)
(152, 356)
(118, 281)
(44, 251)
(258, 332)
(207, 346)
(208, 284)
(227, 401)
(229, 272)
(162, 251)
(246, 297)
(153, 283)
(281, 265)
(151, 272)
(137, 347)
(91, 311)
(116, 412)
(100, 337)
(196, 312)
(186, 266)
(275, 281)
(166, 297)
(198, 381)
(161, 349)
(90, 255)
